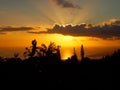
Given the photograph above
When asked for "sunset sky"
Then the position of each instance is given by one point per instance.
(49, 12)
(69, 23)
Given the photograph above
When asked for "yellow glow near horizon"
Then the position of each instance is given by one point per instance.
(23, 39)
(66, 52)
(66, 56)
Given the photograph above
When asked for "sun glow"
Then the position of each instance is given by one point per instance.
(66, 54)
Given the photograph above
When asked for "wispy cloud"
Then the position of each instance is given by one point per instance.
(65, 4)
(4, 29)
(106, 31)
(2, 33)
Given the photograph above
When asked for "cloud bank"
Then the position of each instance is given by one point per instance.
(4, 29)
(1, 33)
(65, 4)
(109, 30)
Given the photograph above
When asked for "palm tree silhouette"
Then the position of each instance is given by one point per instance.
(32, 50)
(43, 50)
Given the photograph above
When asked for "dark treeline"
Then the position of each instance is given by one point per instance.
(43, 68)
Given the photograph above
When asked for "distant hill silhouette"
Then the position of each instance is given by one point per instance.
(43, 68)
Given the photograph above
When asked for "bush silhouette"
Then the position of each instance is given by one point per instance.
(45, 69)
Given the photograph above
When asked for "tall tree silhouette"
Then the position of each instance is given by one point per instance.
(34, 43)
(82, 52)
(31, 51)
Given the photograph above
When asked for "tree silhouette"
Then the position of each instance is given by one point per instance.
(49, 51)
(47, 71)
(74, 57)
(16, 55)
(82, 52)
(32, 50)
(43, 50)
(58, 52)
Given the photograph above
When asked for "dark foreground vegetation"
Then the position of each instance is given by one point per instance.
(43, 68)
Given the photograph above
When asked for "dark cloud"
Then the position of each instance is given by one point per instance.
(107, 31)
(65, 4)
(117, 22)
(4, 29)
(1, 33)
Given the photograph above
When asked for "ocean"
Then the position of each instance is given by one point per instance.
(91, 52)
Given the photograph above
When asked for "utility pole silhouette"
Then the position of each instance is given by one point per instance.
(82, 52)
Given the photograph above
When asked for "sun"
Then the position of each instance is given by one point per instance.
(66, 56)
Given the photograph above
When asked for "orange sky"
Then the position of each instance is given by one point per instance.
(17, 15)
(22, 39)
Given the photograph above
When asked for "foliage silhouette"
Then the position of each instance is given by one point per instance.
(49, 51)
(47, 70)
(31, 52)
